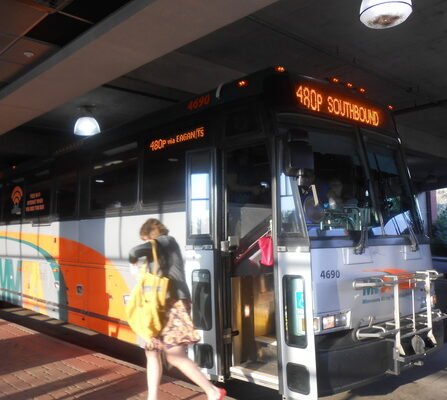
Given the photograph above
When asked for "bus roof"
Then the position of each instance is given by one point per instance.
(279, 89)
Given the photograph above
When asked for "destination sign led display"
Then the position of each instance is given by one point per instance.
(191, 135)
(317, 97)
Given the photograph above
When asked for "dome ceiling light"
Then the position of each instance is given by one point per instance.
(86, 124)
(380, 14)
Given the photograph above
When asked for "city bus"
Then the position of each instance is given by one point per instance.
(305, 254)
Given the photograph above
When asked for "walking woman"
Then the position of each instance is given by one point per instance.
(178, 331)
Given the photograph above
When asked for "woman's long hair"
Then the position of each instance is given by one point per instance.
(153, 224)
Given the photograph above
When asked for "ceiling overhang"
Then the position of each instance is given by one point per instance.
(140, 32)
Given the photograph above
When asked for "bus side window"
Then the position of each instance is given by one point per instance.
(113, 178)
(295, 311)
(289, 221)
(66, 195)
(164, 178)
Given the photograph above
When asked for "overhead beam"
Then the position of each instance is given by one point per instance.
(138, 33)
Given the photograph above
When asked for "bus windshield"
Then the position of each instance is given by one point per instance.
(350, 191)
(391, 186)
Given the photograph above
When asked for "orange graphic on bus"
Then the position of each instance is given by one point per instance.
(16, 195)
(402, 274)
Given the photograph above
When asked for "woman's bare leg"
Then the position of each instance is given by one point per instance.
(176, 356)
(154, 370)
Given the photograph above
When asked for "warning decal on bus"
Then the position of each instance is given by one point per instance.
(35, 202)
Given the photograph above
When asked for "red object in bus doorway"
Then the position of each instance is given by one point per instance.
(266, 246)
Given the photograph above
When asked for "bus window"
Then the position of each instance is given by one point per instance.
(390, 185)
(341, 186)
(295, 317)
(113, 180)
(248, 177)
(289, 220)
(164, 178)
(249, 205)
(200, 194)
(38, 196)
(336, 200)
(13, 200)
(66, 194)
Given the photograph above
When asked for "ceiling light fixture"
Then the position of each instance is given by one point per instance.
(86, 124)
(381, 14)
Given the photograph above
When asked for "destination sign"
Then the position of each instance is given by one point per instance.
(320, 98)
(163, 143)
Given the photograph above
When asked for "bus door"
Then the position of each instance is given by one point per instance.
(247, 203)
(202, 264)
(293, 277)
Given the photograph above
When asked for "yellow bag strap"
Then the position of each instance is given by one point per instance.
(154, 259)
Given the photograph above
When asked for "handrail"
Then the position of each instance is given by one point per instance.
(393, 280)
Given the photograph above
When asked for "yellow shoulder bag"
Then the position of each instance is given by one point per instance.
(147, 299)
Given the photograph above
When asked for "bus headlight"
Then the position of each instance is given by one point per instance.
(329, 322)
(340, 320)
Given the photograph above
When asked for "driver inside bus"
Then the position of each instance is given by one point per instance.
(338, 196)
(334, 194)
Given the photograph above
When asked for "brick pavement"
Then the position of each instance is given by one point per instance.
(36, 366)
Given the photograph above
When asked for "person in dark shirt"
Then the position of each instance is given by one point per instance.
(339, 196)
(178, 331)
(334, 194)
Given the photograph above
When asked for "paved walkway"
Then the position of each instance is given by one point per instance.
(36, 366)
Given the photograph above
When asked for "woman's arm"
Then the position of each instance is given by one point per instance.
(142, 250)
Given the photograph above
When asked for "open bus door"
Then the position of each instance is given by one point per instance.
(247, 202)
(297, 371)
(203, 266)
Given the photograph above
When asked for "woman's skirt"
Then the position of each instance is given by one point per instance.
(178, 328)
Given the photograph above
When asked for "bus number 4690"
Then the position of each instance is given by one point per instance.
(330, 274)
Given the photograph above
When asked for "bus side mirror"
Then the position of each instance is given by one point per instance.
(299, 162)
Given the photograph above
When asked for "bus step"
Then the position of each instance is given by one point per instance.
(267, 340)
(263, 374)
(266, 349)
